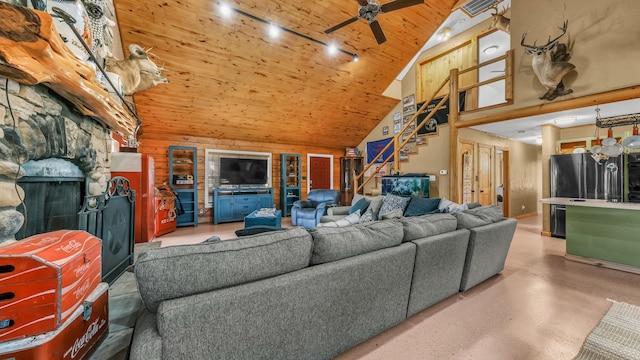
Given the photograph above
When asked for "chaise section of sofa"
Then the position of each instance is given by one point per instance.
(489, 241)
(440, 256)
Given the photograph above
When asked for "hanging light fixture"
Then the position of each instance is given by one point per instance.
(633, 142)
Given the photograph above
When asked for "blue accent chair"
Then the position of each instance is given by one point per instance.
(307, 213)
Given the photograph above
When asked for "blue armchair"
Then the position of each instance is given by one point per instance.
(308, 212)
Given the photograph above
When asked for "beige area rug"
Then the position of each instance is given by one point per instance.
(617, 335)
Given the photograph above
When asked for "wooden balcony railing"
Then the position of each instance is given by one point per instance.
(454, 112)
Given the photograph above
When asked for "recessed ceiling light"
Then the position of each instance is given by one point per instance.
(225, 10)
(444, 33)
(490, 49)
(274, 31)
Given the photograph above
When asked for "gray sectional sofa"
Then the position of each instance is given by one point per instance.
(309, 294)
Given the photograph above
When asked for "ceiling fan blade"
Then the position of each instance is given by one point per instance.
(363, 2)
(399, 4)
(344, 23)
(377, 31)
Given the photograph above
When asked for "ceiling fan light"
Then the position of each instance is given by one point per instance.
(355, 58)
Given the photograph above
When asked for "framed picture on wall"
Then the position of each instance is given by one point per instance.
(385, 130)
(409, 103)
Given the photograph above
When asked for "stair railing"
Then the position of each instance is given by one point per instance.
(454, 112)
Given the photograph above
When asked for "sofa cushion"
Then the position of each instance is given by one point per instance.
(360, 205)
(177, 271)
(418, 227)
(392, 202)
(479, 216)
(421, 206)
(349, 220)
(331, 244)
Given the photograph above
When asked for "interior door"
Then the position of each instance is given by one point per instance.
(319, 173)
(485, 191)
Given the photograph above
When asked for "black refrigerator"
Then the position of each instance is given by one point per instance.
(580, 176)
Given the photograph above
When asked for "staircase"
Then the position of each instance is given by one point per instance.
(400, 145)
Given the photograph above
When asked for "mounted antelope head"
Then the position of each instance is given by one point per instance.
(498, 21)
(550, 64)
(138, 72)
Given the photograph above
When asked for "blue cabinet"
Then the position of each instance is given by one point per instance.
(290, 181)
(233, 204)
(183, 176)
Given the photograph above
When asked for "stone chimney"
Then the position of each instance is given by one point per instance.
(37, 124)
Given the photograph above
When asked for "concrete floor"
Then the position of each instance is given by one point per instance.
(541, 306)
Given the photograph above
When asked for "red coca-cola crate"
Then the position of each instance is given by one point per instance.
(44, 279)
(76, 339)
(165, 216)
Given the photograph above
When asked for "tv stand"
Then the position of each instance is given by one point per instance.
(233, 204)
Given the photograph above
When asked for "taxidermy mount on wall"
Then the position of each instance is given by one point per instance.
(499, 21)
(138, 72)
(550, 64)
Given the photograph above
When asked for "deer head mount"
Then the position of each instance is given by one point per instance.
(550, 64)
(499, 21)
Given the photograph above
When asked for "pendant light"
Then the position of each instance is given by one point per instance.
(610, 140)
(633, 142)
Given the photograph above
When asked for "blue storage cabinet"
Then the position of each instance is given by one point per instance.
(183, 176)
(290, 181)
(233, 204)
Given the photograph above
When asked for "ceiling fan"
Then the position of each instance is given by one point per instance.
(369, 9)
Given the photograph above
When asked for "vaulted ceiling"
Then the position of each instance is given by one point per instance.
(228, 80)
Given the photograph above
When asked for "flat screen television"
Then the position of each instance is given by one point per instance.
(243, 172)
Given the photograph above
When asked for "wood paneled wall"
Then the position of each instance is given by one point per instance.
(158, 147)
(432, 71)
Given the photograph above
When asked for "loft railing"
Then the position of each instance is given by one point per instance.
(454, 112)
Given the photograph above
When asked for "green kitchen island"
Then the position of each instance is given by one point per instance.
(602, 233)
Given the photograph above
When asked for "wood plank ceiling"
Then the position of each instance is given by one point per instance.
(228, 80)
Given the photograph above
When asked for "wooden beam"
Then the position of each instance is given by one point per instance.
(32, 52)
(628, 93)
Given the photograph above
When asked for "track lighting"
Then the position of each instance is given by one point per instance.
(274, 29)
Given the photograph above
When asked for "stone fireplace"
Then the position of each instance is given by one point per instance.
(36, 125)
(54, 162)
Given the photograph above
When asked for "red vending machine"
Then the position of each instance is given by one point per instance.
(140, 170)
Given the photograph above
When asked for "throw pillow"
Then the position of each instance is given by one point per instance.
(393, 214)
(449, 206)
(375, 205)
(349, 220)
(361, 205)
(474, 205)
(368, 216)
(421, 206)
(392, 202)
(258, 229)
